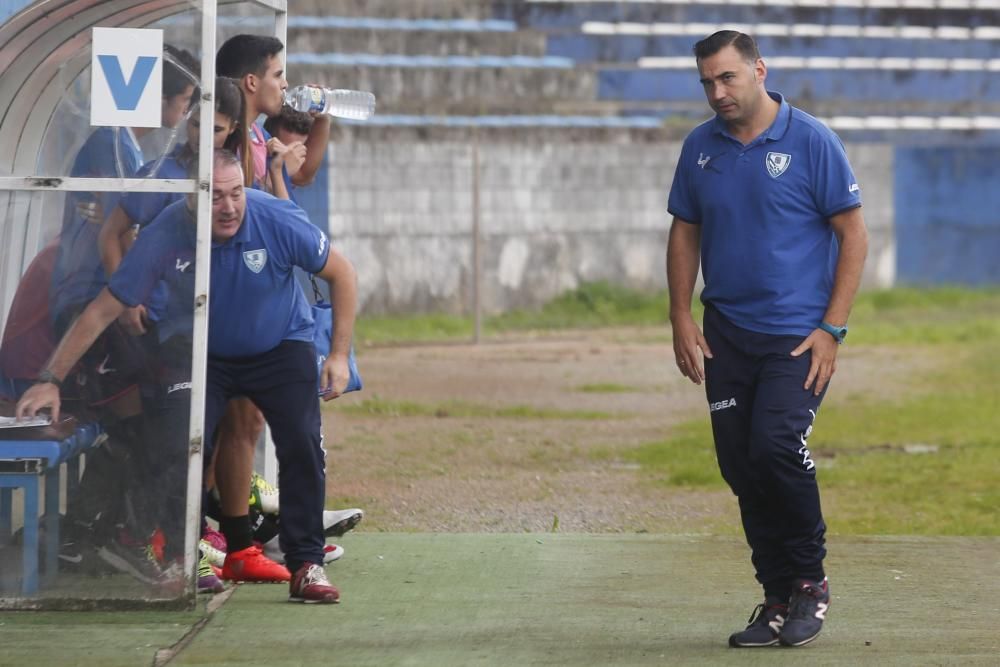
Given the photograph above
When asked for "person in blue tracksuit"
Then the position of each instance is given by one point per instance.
(260, 346)
(764, 199)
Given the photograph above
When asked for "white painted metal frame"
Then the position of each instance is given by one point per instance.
(202, 278)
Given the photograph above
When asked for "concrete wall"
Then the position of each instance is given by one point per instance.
(558, 208)
(949, 228)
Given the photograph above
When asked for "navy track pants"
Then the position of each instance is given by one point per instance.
(761, 418)
(282, 384)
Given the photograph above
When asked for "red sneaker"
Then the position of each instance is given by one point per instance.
(251, 565)
(311, 586)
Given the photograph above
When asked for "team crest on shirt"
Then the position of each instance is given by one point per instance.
(777, 163)
(255, 259)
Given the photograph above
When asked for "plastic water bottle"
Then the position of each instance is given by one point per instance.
(352, 104)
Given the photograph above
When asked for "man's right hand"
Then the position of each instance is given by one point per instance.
(690, 347)
(38, 397)
(133, 320)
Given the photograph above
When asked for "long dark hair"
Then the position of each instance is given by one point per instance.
(229, 102)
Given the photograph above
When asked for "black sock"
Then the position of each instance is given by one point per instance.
(237, 532)
(263, 526)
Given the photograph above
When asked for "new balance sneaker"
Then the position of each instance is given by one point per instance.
(311, 586)
(763, 625)
(338, 522)
(263, 496)
(272, 550)
(250, 564)
(208, 577)
(806, 612)
(214, 556)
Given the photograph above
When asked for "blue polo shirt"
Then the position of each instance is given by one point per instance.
(163, 256)
(142, 207)
(78, 276)
(768, 252)
(256, 302)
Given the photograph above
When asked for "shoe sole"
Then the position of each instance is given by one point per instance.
(735, 644)
(255, 581)
(211, 590)
(800, 643)
(344, 525)
(292, 598)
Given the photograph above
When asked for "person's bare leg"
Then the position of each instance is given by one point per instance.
(237, 442)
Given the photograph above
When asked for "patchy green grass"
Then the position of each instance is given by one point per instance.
(411, 329)
(591, 305)
(924, 463)
(942, 315)
(383, 407)
(606, 388)
(905, 315)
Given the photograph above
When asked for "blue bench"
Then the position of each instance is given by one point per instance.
(22, 465)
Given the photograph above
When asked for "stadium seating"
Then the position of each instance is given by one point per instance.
(543, 60)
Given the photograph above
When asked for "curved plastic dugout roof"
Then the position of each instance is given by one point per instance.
(41, 39)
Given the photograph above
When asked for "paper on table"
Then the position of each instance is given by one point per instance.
(37, 420)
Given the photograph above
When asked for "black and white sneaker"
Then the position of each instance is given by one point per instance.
(338, 522)
(763, 625)
(806, 612)
(138, 561)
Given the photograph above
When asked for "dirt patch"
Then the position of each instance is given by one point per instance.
(501, 474)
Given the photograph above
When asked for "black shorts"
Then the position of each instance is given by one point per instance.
(115, 365)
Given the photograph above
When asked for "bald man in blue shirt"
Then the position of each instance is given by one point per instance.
(765, 201)
(260, 346)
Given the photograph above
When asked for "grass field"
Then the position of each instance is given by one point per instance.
(913, 456)
(902, 315)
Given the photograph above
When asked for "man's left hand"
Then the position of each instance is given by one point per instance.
(334, 376)
(824, 359)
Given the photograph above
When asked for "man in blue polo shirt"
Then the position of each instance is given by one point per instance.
(260, 346)
(764, 197)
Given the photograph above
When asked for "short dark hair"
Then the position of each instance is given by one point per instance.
(180, 70)
(289, 119)
(743, 43)
(246, 54)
